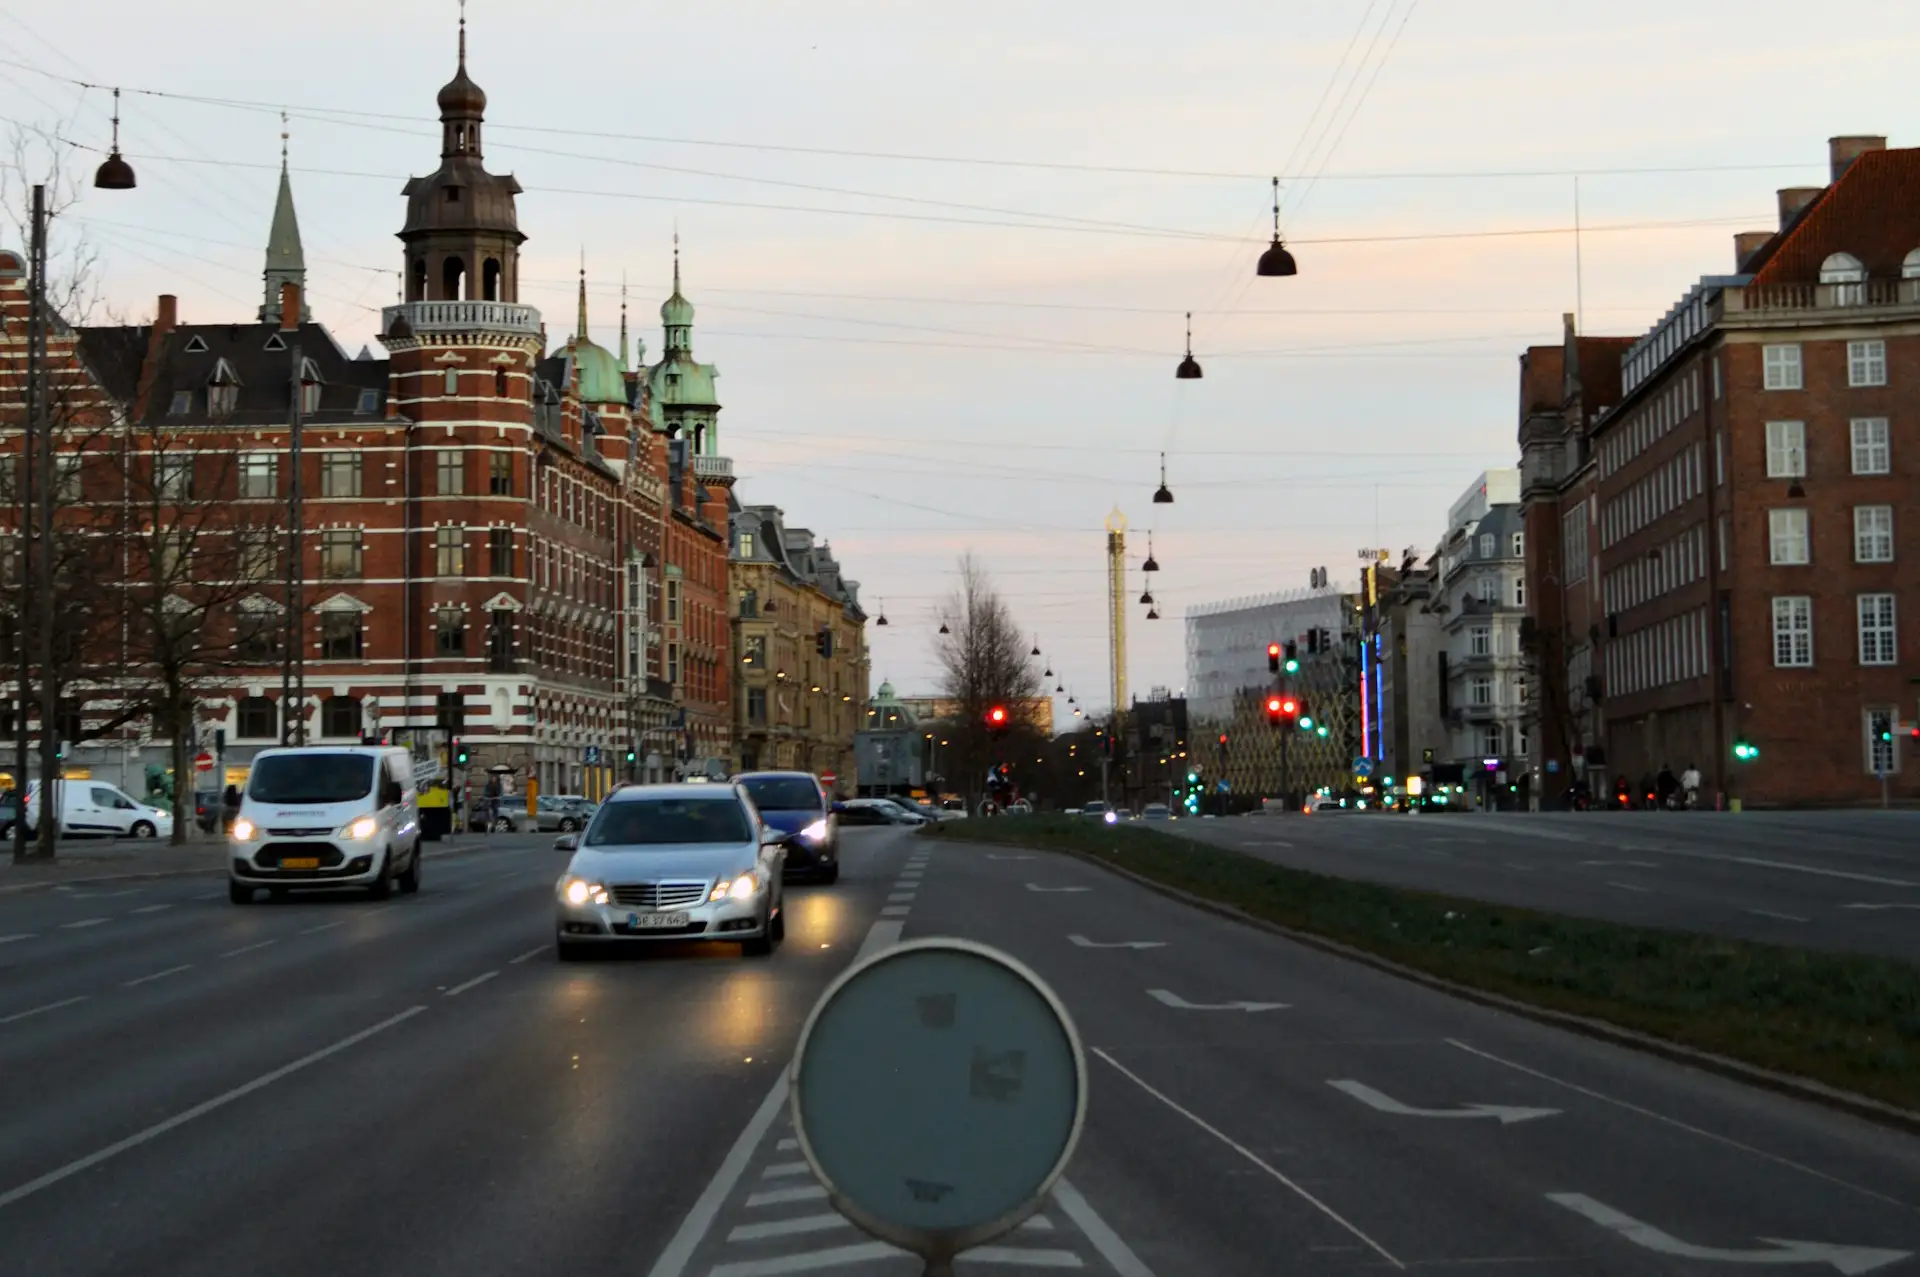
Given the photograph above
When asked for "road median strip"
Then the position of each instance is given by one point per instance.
(1841, 1029)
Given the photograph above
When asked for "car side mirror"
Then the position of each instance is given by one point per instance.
(774, 838)
(837, 807)
(566, 842)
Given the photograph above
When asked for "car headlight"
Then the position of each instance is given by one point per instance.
(741, 888)
(1112, 818)
(360, 829)
(243, 830)
(815, 832)
(579, 891)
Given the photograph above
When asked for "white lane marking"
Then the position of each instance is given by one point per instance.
(149, 908)
(84, 922)
(1525, 869)
(894, 911)
(991, 856)
(1166, 997)
(1793, 868)
(1894, 904)
(883, 934)
(1085, 943)
(325, 926)
(781, 1196)
(1768, 913)
(1245, 1152)
(1266, 842)
(1779, 1250)
(51, 1006)
(1035, 1258)
(786, 1146)
(459, 989)
(811, 1261)
(536, 950)
(1118, 1254)
(901, 897)
(201, 1109)
(780, 1170)
(1633, 864)
(1628, 886)
(158, 975)
(1506, 1113)
(1036, 1224)
(1591, 1094)
(787, 1227)
(24, 935)
(234, 953)
(1034, 886)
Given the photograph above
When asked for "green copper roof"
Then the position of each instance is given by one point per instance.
(600, 379)
(679, 381)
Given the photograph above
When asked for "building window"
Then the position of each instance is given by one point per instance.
(500, 474)
(339, 474)
(259, 475)
(755, 651)
(1719, 460)
(1489, 589)
(1877, 637)
(757, 705)
(1782, 367)
(673, 601)
(340, 636)
(1866, 363)
(340, 716)
(453, 381)
(500, 551)
(1490, 741)
(1873, 534)
(69, 486)
(450, 551)
(174, 476)
(1481, 689)
(1786, 449)
(257, 718)
(1882, 756)
(1519, 591)
(1519, 545)
(1787, 536)
(1716, 376)
(222, 400)
(1872, 453)
(1486, 545)
(1480, 641)
(450, 472)
(340, 553)
(450, 632)
(500, 641)
(1793, 630)
(309, 398)
(746, 545)
(256, 637)
(369, 403)
(673, 663)
(181, 404)
(499, 383)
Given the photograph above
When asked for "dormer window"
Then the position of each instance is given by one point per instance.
(1848, 276)
(310, 384)
(369, 403)
(182, 403)
(223, 390)
(1910, 268)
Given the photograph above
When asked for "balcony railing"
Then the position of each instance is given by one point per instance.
(711, 467)
(1796, 297)
(462, 316)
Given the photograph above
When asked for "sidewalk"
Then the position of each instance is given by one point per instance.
(89, 860)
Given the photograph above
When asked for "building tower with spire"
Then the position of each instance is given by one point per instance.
(286, 262)
(685, 399)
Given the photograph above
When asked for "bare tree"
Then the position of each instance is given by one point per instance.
(984, 663)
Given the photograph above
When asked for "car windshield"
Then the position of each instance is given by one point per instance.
(662, 822)
(783, 793)
(1094, 808)
(311, 778)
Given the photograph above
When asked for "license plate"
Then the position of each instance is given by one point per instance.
(656, 921)
(301, 862)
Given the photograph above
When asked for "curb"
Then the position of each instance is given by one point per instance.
(1788, 1084)
(11, 889)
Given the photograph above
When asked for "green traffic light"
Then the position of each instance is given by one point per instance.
(1306, 723)
(1293, 667)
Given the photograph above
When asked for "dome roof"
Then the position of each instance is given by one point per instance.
(461, 96)
(679, 381)
(676, 311)
(600, 379)
(885, 693)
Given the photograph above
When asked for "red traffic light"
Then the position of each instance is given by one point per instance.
(997, 715)
(1273, 658)
(1289, 706)
(1223, 738)
(1274, 704)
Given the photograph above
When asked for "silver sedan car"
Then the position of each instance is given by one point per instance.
(671, 862)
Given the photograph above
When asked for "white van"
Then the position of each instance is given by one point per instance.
(93, 808)
(326, 816)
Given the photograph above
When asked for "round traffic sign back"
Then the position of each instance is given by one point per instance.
(938, 1092)
(203, 762)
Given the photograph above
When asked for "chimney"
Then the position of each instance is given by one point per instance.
(167, 313)
(289, 307)
(1746, 244)
(1843, 151)
(1795, 198)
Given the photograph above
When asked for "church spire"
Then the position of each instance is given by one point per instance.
(580, 324)
(623, 321)
(676, 314)
(286, 261)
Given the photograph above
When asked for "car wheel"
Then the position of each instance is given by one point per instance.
(569, 950)
(761, 945)
(779, 926)
(382, 886)
(567, 826)
(502, 826)
(142, 829)
(239, 893)
(410, 880)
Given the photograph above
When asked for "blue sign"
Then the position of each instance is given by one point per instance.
(593, 753)
(1363, 767)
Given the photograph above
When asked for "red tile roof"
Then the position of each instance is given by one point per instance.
(1872, 212)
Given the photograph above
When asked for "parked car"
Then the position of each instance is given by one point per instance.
(905, 813)
(505, 815)
(553, 813)
(876, 811)
(1156, 811)
(670, 862)
(9, 810)
(796, 803)
(92, 808)
(1097, 810)
(327, 816)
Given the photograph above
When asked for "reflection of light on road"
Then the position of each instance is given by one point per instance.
(814, 916)
(739, 1017)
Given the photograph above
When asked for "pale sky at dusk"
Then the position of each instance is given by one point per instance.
(922, 379)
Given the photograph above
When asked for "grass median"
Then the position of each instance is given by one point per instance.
(1850, 1021)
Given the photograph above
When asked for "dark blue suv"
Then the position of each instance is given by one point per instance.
(794, 803)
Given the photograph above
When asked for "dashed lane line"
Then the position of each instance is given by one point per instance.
(150, 908)
(1629, 886)
(248, 948)
(781, 1196)
(327, 926)
(901, 898)
(51, 1006)
(24, 935)
(158, 975)
(84, 922)
(895, 911)
(459, 989)
(1783, 917)
(533, 952)
(781, 1170)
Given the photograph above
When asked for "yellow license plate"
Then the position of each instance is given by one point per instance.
(301, 862)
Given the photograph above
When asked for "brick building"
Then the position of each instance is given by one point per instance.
(523, 543)
(1753, 535)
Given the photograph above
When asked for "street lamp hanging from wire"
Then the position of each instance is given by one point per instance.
(1189, 369)
(114, 173)
(1276, 260)
(1163, 495)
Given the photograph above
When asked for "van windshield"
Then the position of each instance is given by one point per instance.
(783, 793)
(311, 778)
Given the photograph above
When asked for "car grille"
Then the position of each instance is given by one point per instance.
(274, 852)
(321, 832)
(658, 895)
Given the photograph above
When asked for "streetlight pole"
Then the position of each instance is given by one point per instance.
(23, 647)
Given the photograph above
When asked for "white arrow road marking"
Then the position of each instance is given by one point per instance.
(1167, 997)
(1844, 1259)
(1373, 1099)
(1034, 886)
(1894, 904)
(1085, 943)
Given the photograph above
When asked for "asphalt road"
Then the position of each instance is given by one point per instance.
(1842, 880)
(416, 1086)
